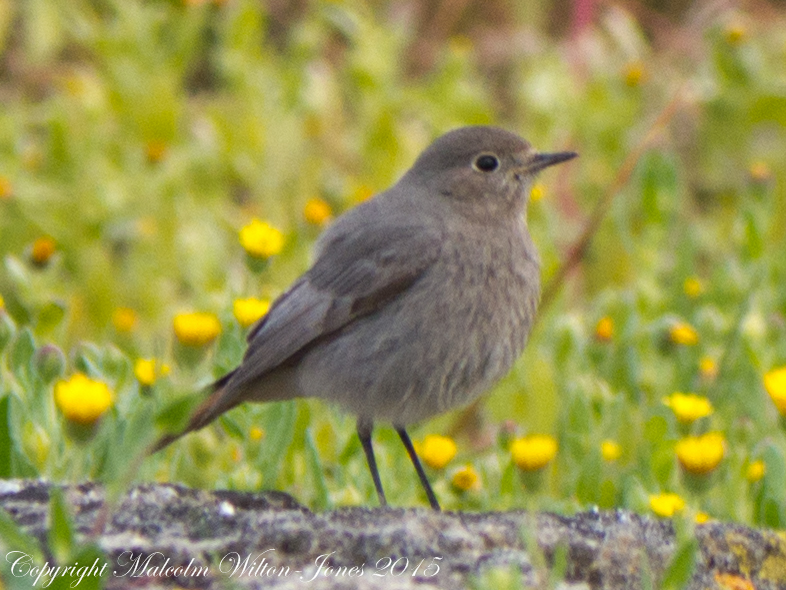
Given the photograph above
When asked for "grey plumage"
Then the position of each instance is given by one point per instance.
(418, 300)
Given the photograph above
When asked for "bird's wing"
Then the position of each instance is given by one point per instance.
(355, 275)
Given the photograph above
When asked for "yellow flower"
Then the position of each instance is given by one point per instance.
(610, 450)
(688, 407)
(775, 384)
(361, 192)
(604, 329)
(146, 226)
(6, 188)
(702, 517)
(708, 368)
(700, 455)
(42, 251)
(2, 302)
(81, 399)
(32, 156)
(74, 84)
(666, 505)
(760, 172)
(37, 443)
(533, 452)
(466, 479)
(437, 451)
(634, 73)
(735, 33)
(256, 433)
(693, 287)
(260, 239)
(755, 471)
(537, 193)
(317, 212)
(248, 311)
(312, 125)
(124, 319)
(147, 371)
(460, 45)
(683, 333)
(196, 329)
(155, 150)
(733, 582)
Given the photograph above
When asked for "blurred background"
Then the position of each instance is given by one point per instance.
(140, 136)
(138, 139)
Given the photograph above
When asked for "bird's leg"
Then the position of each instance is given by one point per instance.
(364, 434)
(432, 499)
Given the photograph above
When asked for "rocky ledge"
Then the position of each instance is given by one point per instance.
(168, 536)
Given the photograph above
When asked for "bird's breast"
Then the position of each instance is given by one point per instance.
(489, 299)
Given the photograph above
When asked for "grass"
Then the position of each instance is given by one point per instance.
(140, 137)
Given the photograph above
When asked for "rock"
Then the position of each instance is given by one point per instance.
(165, 536)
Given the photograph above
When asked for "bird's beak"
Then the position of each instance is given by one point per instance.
(538, 162)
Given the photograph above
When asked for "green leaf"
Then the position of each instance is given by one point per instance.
(5, 437)
(579, 416)
(754, 242)
(662, 464)
(588, 485)
(317, 471)
(138, 430)
(559, 565)
(232, 427)
(230, 349)
(607, 495)
(92, 568)
(658, 185)
(88, 359)
(772, 504)
(350, 450)
(174, 416)
(279, 428)
(17, 273)
(61, 531)
(647, 581)
(15, 414)
(22, 351)
(682, 565)
(7, 329)
(656, 429)
(508, 483)
(116, 365)
(14, 538)
(769, 108)
(49, 317)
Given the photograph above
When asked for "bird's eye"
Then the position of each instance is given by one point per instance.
(486, 163)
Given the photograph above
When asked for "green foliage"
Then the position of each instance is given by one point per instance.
(683, 562)
(770, 502)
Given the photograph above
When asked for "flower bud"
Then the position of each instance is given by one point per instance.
(49, 362)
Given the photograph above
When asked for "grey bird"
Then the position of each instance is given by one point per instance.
(418, 301)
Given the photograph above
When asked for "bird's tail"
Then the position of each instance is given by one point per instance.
(216, 404)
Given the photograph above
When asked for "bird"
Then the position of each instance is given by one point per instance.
(417, 302)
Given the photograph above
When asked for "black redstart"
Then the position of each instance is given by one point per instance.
(418, 300)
